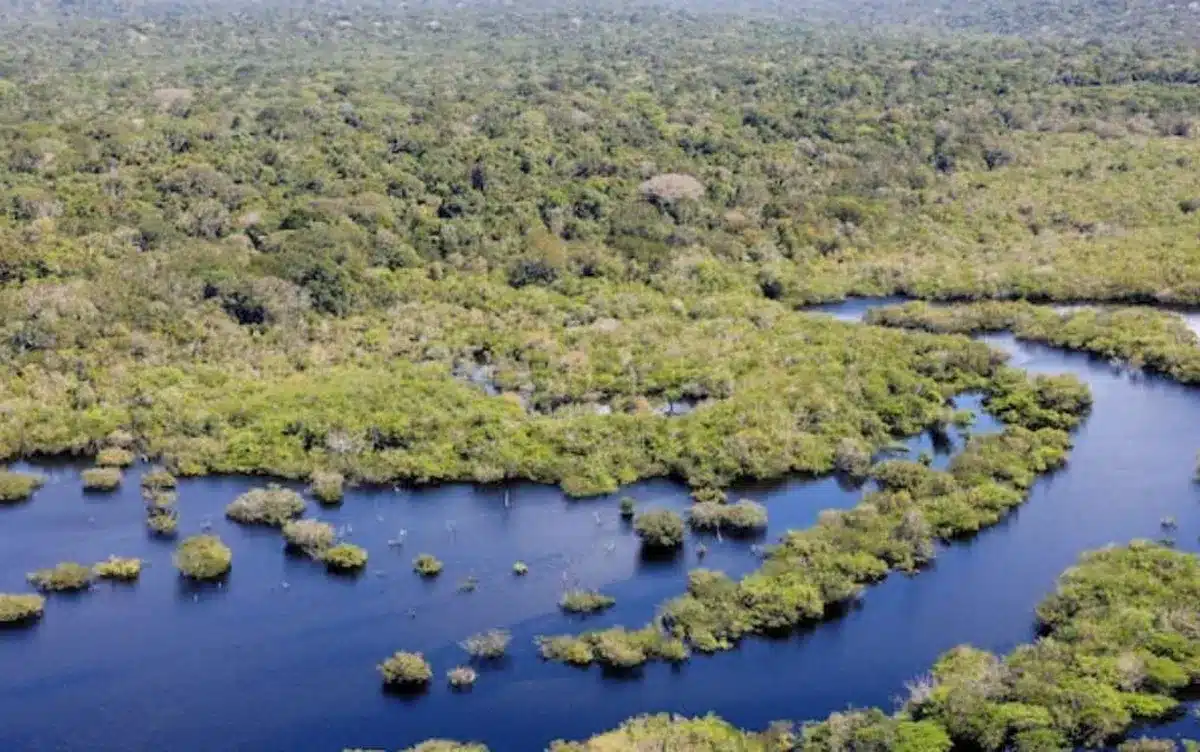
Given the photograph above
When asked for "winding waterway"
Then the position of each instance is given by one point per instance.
(283, 656)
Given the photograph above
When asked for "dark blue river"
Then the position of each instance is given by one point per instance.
(283, 656)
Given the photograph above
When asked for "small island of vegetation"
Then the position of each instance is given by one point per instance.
(273, 506)
(20, 610)
(203, 557)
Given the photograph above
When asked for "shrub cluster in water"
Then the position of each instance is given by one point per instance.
(344, 557)
(273, 506)
(65, 577)
(461, 677)
(659, 529)
(116, 568)
(203, 557)
(893, 528)
(161, 518)
(585, 602)
(1120, 643)
(327, 487)
(406, 670)
(489, 645)
(616, 648)
(309, 536)
(427, 565)
(159, 479)
(20, 609)
(18, 486)
(743, 518)
(114, 457)
(101, 478)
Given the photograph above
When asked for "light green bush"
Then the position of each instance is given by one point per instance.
(20, 609)
(203, 557)
(65, 577)
(427, 565)
(273, 506)
(18, 486)
(116, 568)
(101, 479)
(344, 557)
(406, 670)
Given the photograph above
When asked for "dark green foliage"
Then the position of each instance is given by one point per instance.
(65, 577)
(1120, 640)
(628, 508)
(659, 529)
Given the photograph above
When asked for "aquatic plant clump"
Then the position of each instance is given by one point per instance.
(101, 479)
(427, 565)
(628, 508)
(64, 578)
(117, 568)
(344, 557)
(406, 670)
(585, 602)
(1084, 684)
(615, 648)
(892, 529)
(17, 609)
(203, 557)
(489, 645)
(327, 487)
(659, 529)
(163, 523)
(310, 536)
(16, 486)
(159, 479)
(743, 518)
(520, 568)
(273, 506)
(114, 457)
(461, 677)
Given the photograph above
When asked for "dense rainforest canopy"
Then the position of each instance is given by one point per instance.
(487, 242)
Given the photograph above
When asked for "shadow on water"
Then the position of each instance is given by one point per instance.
(283, 655)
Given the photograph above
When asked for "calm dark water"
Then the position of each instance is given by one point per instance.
(283, 656)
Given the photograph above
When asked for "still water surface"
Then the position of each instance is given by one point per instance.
(283, 656)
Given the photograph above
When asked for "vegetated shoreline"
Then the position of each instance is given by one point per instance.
(1087, 680)
(716, 611)
(1144, 338)
(488, 439)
